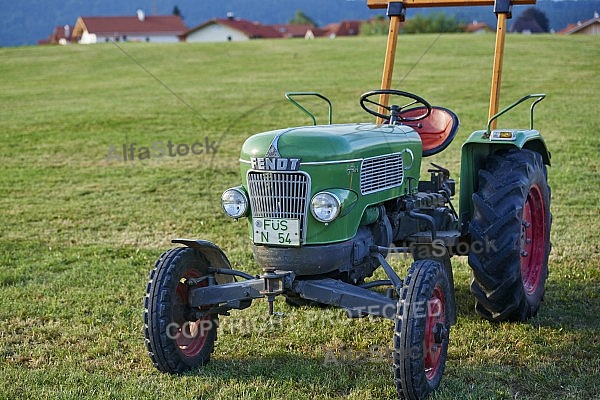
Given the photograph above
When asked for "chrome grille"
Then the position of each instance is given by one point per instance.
(279, 195)
(380, 173)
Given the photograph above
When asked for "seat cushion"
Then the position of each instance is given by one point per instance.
(437, 130)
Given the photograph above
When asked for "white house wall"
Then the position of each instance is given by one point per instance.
(216, 33)
(143, 38)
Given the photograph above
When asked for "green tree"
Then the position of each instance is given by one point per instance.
(177, 12)
(301, 19)
(378, 25)
(533, 14)
(433, 23)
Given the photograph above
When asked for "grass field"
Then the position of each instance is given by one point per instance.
(80, 230)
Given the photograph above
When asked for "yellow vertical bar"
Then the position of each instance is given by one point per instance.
(497, 73)
(388, 65)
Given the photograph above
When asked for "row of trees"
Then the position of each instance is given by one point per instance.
(431, 23)
(434, 22)
(437, 22)
(531, 19)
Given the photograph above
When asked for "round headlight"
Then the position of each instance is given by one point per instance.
(234, 203)
(325, 207)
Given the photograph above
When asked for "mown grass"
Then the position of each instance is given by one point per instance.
(79, 234)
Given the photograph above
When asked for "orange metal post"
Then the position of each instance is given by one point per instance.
(497, 71)
(388, 66)
(503, 14)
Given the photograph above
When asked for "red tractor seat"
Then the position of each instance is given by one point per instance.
(437, 130)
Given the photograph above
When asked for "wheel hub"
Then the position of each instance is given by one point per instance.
(532, 240)
(191, 333)
(435, 332)
(440, 333)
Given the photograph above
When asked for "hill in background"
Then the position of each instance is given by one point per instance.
(24, 23)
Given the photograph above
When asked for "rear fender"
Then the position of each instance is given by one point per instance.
(474, 153)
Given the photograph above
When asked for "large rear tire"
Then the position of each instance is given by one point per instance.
(175, 339)
(422, 330)
(510, 236)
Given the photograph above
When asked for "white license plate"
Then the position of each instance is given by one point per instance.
(277, 231)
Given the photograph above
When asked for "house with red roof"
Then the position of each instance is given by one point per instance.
(230, 29)
(135, 28)
(589, 27)
(60, 35)
(478, 27)
(233, 29)
(343, 28)
(298, 30)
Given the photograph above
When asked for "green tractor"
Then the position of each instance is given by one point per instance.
(326, 204)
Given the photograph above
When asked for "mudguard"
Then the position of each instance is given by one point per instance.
(483, 143)
(474, 153)
(214, 255)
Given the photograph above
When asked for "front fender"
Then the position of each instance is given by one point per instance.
(477, 148)
(214, 255)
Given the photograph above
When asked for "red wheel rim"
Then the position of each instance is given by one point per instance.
(190, 336)
(533, 240)
(436, 320)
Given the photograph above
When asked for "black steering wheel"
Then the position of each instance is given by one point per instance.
(395, 111)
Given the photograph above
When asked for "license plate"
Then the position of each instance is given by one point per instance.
(277, 231)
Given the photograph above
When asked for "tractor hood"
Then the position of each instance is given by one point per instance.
(325, 143)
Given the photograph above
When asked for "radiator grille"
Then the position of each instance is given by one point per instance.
(380, 173)
(279, 195)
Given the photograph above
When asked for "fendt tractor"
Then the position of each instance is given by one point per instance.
(325, 204)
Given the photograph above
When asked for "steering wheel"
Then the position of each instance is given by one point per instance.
(394, 110)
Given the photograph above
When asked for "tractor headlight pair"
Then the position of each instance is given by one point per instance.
(325, 206)
(234, 202)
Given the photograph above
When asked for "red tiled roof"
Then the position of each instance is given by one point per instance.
(572, 28)
(253, 30)
(293, 30)
(152, 24)
(477, 26)
(569, 28)
(57, 34)
(60, 33)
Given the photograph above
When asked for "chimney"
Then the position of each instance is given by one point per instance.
(230, 15)
(140, 15)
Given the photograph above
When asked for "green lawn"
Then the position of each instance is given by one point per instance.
(80, 233)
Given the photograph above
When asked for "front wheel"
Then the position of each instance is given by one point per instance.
(176, 339)
(422, 330)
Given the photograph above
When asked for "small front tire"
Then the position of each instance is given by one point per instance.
(422, 330)
(175, 339)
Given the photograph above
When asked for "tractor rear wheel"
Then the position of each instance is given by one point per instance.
(510, 236)
(175, 338)
(422, 330)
